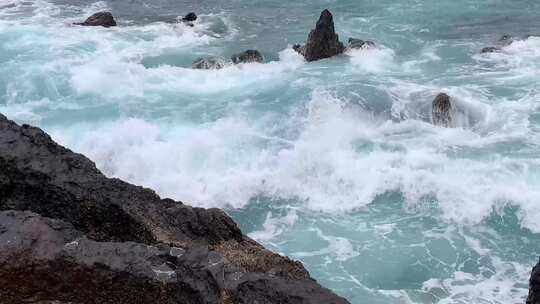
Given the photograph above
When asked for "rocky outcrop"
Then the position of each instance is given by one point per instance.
(322, 42)
(247, 57)
(190, 17)
(76, 236)
(359, 44)
(39, 175)
(211, 63)
(104, 19)
(442, 111)
(43, 258)
(534, 286)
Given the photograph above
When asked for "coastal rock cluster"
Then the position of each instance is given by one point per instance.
(68, 234)
(323, 42)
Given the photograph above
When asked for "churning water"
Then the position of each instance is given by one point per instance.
(334, 162)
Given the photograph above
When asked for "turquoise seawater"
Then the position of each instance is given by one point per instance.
(334, 162)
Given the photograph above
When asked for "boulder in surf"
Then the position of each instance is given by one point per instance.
(104, 19)
(190, 17)
(247, 57)
(442, 111)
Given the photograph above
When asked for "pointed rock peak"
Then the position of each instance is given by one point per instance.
(326, 20)
(322, 42)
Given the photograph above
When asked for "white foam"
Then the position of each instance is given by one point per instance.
(341, 249)
(500, 287)
(372, 60)
(222, 162)
(113, 77)
(273, 227)
(516, 63)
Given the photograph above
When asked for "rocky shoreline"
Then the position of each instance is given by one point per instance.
(68, 234)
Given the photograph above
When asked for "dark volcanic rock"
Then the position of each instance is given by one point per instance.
(323, 42)
(190, 17)
(442, 110)
(268, 290)
(490, 49)
(105, 19)
(247, 56)
(534, 286)
(101, 240)
(44, 259)
(212, 63)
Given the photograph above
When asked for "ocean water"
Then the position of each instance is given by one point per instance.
(334, 162)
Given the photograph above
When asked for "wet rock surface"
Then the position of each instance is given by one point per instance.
(68, 234)
(247, 57)
(43, 258)
(190, 17)
(322, 42)
(104, 19)
(442, 111)
(534, 286)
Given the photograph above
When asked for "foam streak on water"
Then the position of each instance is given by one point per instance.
(334, 162)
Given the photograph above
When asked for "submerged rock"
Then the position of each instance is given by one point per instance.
(322, 42)
(84, 238)
(360, 44)
(490, 49)
(104, 19)
(212, 63)
(247, 56)
(534, 286)
(442, 110)
(505, 40)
